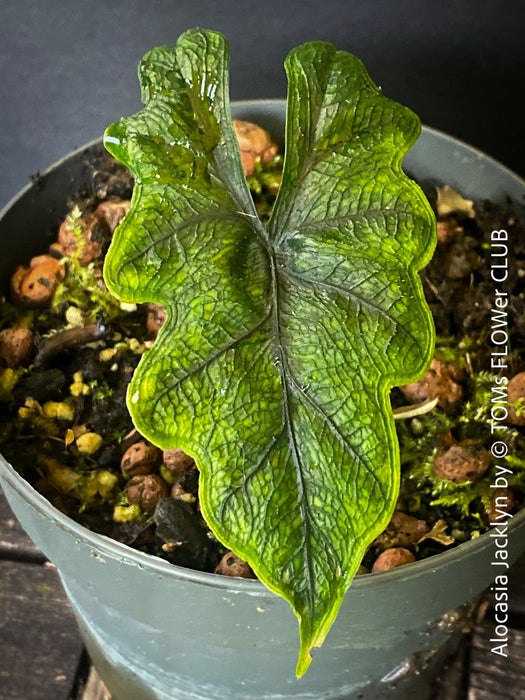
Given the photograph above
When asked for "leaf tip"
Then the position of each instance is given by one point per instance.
(304, 661)
(312, 637)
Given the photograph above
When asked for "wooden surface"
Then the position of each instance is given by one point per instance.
(40, 646)
(494, 677)
(42, 657)
(14, 543)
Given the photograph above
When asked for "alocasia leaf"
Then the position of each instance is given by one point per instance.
(281, 343)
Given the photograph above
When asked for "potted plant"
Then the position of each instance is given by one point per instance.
(154, 629)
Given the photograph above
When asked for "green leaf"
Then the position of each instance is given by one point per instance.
(281, 344)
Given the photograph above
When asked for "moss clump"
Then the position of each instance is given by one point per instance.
(264, 185)
(83, 287)
(423, 492)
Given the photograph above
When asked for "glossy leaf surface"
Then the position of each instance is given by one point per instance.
(281, 343)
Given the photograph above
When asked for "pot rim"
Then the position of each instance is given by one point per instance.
(126, 554)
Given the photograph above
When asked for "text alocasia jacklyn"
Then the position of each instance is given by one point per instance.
(499, 337)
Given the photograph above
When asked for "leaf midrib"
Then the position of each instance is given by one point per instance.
(302, 497)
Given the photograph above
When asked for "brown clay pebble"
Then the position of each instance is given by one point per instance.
(401, 531)
(17, 278)
(67, 241)
(232, 565)
(36, 284)
(390, 558)
(515, 392)
(441, 381)
(177, 460)
(466, 461)
(255, 145)
(140, 458)
(16, 346)
(146, 490)
(112, 213)
(156, 318)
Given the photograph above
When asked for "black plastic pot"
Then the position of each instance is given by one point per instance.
(158, 631)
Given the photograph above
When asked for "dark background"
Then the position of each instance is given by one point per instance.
(69, 68)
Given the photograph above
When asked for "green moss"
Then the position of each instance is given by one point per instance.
(420, 440)
(8, 380)
(82, 286)
(264, 185)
